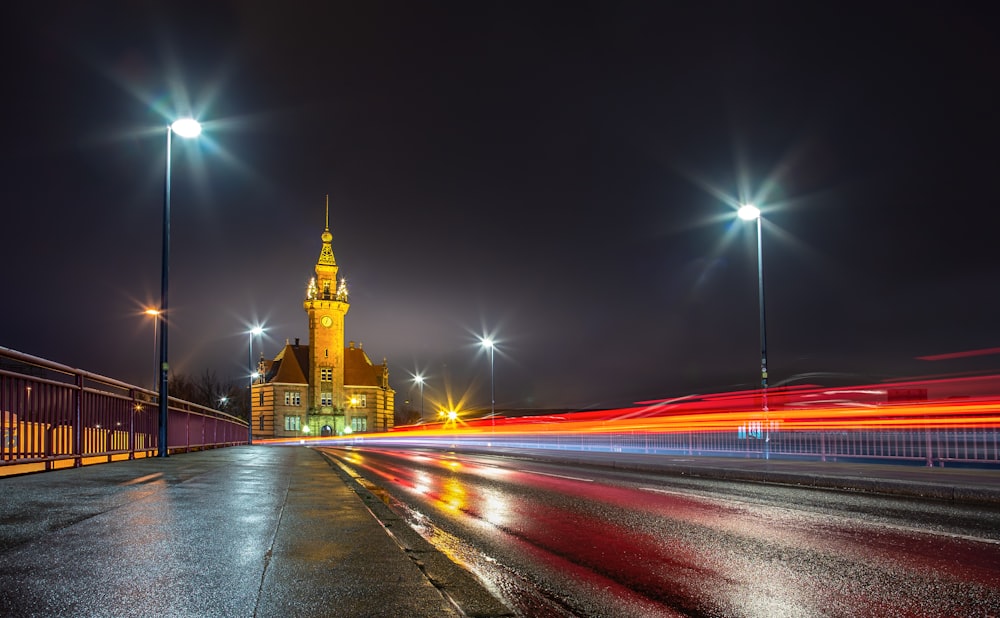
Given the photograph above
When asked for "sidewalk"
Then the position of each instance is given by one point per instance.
(242, 531)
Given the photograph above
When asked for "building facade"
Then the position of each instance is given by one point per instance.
(324, 388)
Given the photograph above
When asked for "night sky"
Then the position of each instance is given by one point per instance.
(562, 176)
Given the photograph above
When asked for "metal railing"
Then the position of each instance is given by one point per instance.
(928, 446)
(945, 421)
(932, 447)
(57, 416)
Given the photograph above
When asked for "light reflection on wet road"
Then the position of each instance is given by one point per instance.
(563, 541)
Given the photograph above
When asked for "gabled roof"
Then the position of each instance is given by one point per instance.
(358, 368)
(290, 366)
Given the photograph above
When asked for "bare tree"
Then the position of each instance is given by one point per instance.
(229, 396)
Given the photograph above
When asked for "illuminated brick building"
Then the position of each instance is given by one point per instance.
(322, 388)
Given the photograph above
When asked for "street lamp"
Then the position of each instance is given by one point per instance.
(419, 379)
(749, 212)
(488, 343)
(255, 331)
(185, 127)
(155, 314)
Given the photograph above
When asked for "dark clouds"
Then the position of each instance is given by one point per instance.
(543, 169)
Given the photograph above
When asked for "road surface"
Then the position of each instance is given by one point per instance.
(554, 540)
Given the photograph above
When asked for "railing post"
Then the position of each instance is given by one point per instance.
(131, 424)
(78, 422)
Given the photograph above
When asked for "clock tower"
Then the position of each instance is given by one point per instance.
(324, 388)
(326, 305)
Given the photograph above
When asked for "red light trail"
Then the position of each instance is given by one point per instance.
(940, 404)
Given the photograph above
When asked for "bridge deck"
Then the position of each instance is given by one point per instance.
(279, 531)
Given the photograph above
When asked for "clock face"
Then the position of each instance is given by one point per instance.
(327, 321)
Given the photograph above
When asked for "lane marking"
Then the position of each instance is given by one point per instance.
(561, 476)
(676, 493)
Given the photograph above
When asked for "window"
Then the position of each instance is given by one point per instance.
(326, 399)
(293, 398)
(359, 401)
(261, 422)
(326, 374)
(262, 398)
(293, 423)
(359, 424)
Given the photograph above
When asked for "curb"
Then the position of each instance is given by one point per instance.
(458, 587)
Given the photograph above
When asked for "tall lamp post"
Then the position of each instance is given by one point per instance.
(155, 314)
(185, 127)
(419, 379)
(255, 331)
(749, 212)
(488, 343)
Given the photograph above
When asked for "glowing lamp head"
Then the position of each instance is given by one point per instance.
(256, 330)
(748, 212)
(452, 415)
(419, 379)
(487, 342)
(186, 127)
(152, 312)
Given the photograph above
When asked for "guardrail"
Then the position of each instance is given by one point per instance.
(934, 422)
(928, 446)
(56, 416)
(931, 447)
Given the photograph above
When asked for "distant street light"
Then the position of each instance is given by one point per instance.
(488, 343)
(419, 379)
(749, 212)
(185, 127)
(155, 314)
(255, 331)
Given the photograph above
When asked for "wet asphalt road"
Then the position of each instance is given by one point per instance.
(557, 540)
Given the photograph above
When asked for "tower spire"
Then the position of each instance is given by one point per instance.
(326, 253)
(326, 305)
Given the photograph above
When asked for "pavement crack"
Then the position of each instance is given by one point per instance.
(270, 552)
